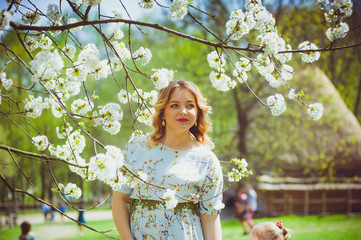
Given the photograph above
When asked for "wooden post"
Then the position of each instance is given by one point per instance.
(324, 203)
(307, 202)
(285, 203)
(290, 205)
(349, 201)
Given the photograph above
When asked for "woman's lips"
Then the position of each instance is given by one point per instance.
(182, 120)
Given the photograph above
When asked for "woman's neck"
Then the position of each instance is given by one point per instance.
(181, 141)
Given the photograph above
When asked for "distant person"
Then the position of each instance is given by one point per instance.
(52, 212)
(269, 230)
(241, 209)
(251, 204)
(45, 209)
(81, 218)
(26, 233)
(62, 208)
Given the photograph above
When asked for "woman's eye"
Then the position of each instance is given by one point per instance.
(174, 105)
(191, 105)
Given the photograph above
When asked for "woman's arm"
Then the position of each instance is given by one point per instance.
(121, 215)
(211, 226)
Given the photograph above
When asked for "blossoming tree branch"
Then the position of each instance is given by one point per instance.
(61, 67)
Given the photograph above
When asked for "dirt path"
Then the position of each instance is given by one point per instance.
(57, 230)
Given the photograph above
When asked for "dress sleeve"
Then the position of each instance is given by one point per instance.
(129, 151)
(211, 191)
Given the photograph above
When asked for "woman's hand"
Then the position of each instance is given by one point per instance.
(121, 215)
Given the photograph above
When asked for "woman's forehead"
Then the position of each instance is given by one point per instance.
(182, 94)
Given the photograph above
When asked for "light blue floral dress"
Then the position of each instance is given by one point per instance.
(194, 173)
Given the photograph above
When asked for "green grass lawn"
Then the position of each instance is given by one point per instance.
(338, 227)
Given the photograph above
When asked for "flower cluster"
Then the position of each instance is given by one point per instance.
(178, 9)
(82, 107)
(277, 104)
(5, 18)
(46, 65)
(41, 142)
(34, 106)
(71, 190)
(33, 42)
(315, 110)
(114, 30)
(53, 13)
(30, 17)
(7, 83)
(146, 3)
(170, 199)
(309, 57)
(104, 166)
(240, 172)
(161, 78)
(108, 117)
(143, 54)
(335, 14)
(88, 3)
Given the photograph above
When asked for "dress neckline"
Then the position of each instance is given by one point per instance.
(162, 146)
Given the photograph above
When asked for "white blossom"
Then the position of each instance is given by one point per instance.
(104, 166)
(33, 106)
(121, 50)
(146, 3)
(170, 199)
(117, 13)
(72, 190)
(263, 64)
(74, 20)
(30, 17)
(216, 60)
(54, 13)
(151, 97)
(309, 57)
(5, 18)
(76, 142)
(41, 142)
(221, 81)
(178, 9)
(292, 94)
(115, 31)
(5, 82)
(62, 152)
(81, 106)
(161, 78)
(272, 43)
(70, 50)
(64, 131)
(277, 104)
(315, 110)
(274, 81)
(123, 96)
(143, 54)
(46, 65)
(286, 72)
(237, 28)
(112, 127)
(145, 116)
(340, 31)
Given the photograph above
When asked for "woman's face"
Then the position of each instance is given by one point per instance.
(181, 111)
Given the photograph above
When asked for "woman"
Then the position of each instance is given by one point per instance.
(175, 156)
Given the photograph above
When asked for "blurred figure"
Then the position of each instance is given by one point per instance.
(26, 233)
(45, 209)
(251, 204)
(62, 207)
(269, 230)
(52, 212)
(81, 218)
(241, 209)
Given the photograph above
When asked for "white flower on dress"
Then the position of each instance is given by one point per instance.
(315, 110)
(41, 142)
(170, 199)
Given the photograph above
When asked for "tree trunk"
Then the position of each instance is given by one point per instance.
(357, 103)
(242, 124)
